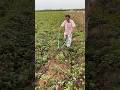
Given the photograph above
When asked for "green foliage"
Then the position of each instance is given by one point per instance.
(16, 44)
(103, 51)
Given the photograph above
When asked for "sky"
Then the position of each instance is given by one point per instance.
(59, 4)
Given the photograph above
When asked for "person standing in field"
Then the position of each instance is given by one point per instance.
(69, 26)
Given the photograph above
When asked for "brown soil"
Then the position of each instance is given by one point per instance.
(54, 74)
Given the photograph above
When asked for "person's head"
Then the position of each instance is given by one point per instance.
(67, 17)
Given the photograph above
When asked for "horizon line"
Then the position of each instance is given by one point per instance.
(60, 9)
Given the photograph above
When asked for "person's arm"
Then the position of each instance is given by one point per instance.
(73, 25)
(62, 26)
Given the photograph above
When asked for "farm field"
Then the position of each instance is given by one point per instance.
(59, 69)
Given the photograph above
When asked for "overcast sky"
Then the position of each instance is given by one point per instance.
(59, 4)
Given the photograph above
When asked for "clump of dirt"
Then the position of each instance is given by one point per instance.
(54, 70)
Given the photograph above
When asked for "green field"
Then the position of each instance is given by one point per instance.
(63, 68)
